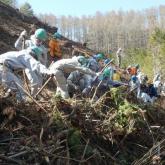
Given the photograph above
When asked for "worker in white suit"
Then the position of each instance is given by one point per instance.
(118, 55)
(63, 66)
(21, 60)
(37, 39)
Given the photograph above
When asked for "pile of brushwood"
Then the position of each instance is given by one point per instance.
(115, 130)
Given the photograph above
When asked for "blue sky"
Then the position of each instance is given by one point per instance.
(88, 7)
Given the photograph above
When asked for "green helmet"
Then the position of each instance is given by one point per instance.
(137, 66)
(100, 56)
(82, 60)
(41, 34)
(57, 35)
(36, 50)
(106, 72)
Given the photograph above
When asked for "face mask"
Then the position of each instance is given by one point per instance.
(38, 42)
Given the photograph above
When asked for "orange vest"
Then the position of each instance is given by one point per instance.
(133, 71)
(55, 50)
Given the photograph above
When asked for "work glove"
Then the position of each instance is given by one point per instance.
(76, 87)
(23, 33)
(86, 91)
(50, 73)
(98, 74)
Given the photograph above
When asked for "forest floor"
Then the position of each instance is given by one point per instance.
(117, 129)
(114, 130)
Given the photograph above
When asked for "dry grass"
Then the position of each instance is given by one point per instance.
(76, 131)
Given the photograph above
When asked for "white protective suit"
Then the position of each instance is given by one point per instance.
(93, 65)
(19, 45)
(135, 86)
(118, 55)
(146, 98)
(20, 60)
(142, 78)
(75, 81)
(63, 66)
(157, 83)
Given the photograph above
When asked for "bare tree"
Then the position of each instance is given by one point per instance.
(109, 31)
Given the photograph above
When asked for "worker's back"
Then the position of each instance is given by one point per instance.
(55, 50)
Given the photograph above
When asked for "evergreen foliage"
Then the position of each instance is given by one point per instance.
(26, 9)
(9, 2)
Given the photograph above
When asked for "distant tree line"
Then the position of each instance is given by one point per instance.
(141, 34)
(130, 30)
(105, 32)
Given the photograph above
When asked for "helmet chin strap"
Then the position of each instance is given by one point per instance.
(38, 42)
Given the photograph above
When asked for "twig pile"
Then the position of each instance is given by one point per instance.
(112, 130)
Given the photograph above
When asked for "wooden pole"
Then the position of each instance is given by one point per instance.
(39, 91)
(31, 97)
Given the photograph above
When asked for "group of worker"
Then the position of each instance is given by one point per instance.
(31, 58)
(76, 75)
(145, 90)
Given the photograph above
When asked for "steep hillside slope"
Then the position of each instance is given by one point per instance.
(116, 130)
(12, 22)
